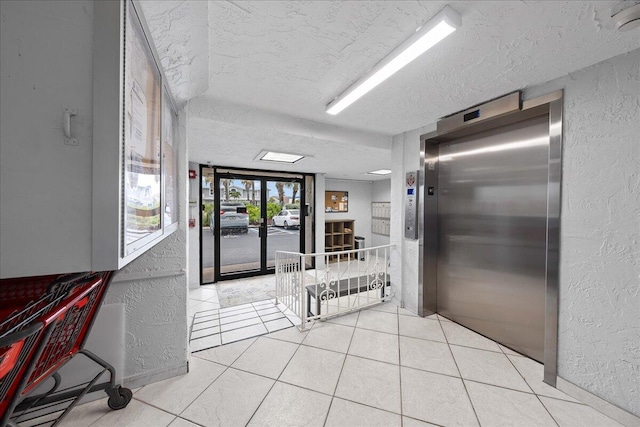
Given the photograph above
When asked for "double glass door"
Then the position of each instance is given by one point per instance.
(251, 218)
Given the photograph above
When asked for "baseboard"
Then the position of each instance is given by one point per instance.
(612, 411)
(145, 378)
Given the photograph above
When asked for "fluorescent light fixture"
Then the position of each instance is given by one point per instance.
(425, 37)
(274, 156)
(380, 172)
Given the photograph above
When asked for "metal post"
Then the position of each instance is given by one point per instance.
(302, 305)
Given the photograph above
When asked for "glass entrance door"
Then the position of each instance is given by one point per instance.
(254, 216)
(237, 225)
(284, 218)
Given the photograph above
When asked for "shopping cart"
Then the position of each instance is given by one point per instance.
(44, 323)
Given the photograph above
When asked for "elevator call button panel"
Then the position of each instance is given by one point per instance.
(411, 205)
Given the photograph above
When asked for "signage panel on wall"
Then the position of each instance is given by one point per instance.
(411, 205)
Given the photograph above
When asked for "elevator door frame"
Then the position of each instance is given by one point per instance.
(551, 105)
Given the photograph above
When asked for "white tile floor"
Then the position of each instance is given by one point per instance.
(217, 326)
(378, 367)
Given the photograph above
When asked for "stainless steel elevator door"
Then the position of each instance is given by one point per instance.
(492, 219)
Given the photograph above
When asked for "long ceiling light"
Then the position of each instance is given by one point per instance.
(425, 37)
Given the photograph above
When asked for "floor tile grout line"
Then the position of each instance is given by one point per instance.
(497, 386)
(459, 372)
(189, 421)
(154, 406)
(528, 385)
(422, 421)
(273, 385)
(204, 336)
(309, 389)
(236, 329)
(203, 329)
(476, 348)
(252, 311)
(400, 369)
(209, 319)
(211, 324)
(202, 300)
(241, 320)
(227, 367)
(231, 342)
(241, 339)
(344, 361)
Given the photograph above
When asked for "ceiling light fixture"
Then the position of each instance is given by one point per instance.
(627, 19)
(380, 172)
(274, 156)
(425, 37)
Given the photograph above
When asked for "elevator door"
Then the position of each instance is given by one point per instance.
(492, 219)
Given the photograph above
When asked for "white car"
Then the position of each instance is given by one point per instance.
(287, 218)
(233, 218)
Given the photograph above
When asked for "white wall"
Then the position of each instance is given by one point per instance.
(405, 151)
(194, 232)
(359, 205)
(380, 192)
(319, 218)
(46, 186)
(599, 326)
(599, 318)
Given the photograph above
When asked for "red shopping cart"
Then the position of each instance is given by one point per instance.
(44, 323)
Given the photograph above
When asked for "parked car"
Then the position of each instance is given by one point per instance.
(287, 218)
(234, 218)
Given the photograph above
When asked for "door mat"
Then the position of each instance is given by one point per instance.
(242, 292)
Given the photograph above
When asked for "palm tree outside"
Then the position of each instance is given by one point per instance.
(225, 184)
(280, 187)
(249, 187)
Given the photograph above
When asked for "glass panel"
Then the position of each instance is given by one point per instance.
(208, 243)
(170, 170)
(283, 218)
(142, 138)
(240, 215)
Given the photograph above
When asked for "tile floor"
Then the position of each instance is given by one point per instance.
(214, 327)
(379, 367)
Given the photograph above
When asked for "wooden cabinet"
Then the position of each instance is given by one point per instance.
(338, 236)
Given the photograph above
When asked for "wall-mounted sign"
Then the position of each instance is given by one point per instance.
(411, 205)
(192, 174)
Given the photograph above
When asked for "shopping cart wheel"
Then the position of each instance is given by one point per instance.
(123, 399)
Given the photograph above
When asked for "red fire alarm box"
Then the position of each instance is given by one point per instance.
(192, 174)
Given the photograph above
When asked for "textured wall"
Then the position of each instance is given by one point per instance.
(180, 30)
(153, 288)
(397, 219)
(155, 312)
(405, 152)
(599, 320)
(599, 324)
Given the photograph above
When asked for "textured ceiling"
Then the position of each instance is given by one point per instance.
(291, 58)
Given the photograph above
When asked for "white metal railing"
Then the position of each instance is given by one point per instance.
(340, 283)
